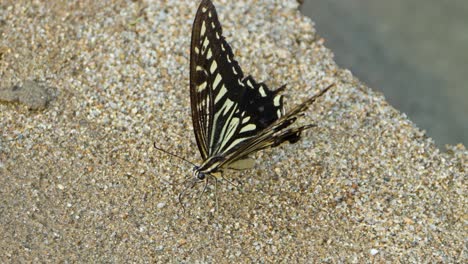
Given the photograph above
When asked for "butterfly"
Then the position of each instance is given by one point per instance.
(233, 116)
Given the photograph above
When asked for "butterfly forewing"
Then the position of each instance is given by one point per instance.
(227, 108)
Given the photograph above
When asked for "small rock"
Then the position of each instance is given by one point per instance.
(32, 94)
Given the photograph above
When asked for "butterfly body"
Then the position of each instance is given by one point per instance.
(233, 116)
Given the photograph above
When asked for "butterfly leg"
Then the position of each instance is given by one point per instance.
(230, 182)
(181, 195)
(203, 191)
(216, 193)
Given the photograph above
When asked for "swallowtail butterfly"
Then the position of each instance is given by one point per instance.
(233, 116)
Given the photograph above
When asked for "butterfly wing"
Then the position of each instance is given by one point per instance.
(227, 109)
(275, 134)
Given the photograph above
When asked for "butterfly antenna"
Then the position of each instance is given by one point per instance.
(172, 154)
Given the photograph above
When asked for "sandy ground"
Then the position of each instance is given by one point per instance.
(87, 87)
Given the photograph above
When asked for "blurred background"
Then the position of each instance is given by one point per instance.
(414, 52)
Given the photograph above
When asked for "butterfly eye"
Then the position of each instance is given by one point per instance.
(201, 176)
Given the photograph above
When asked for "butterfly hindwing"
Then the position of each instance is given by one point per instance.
(275, 134)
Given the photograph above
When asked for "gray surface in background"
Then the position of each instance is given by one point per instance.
(415, 52)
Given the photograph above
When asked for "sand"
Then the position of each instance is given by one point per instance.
(81, 182)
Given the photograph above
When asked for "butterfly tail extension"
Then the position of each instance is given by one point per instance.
(280, 89)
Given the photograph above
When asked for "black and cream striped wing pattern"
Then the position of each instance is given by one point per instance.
(227, 108)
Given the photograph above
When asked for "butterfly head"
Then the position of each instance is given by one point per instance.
(197, 174)
(209, 168)
(200, 175)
